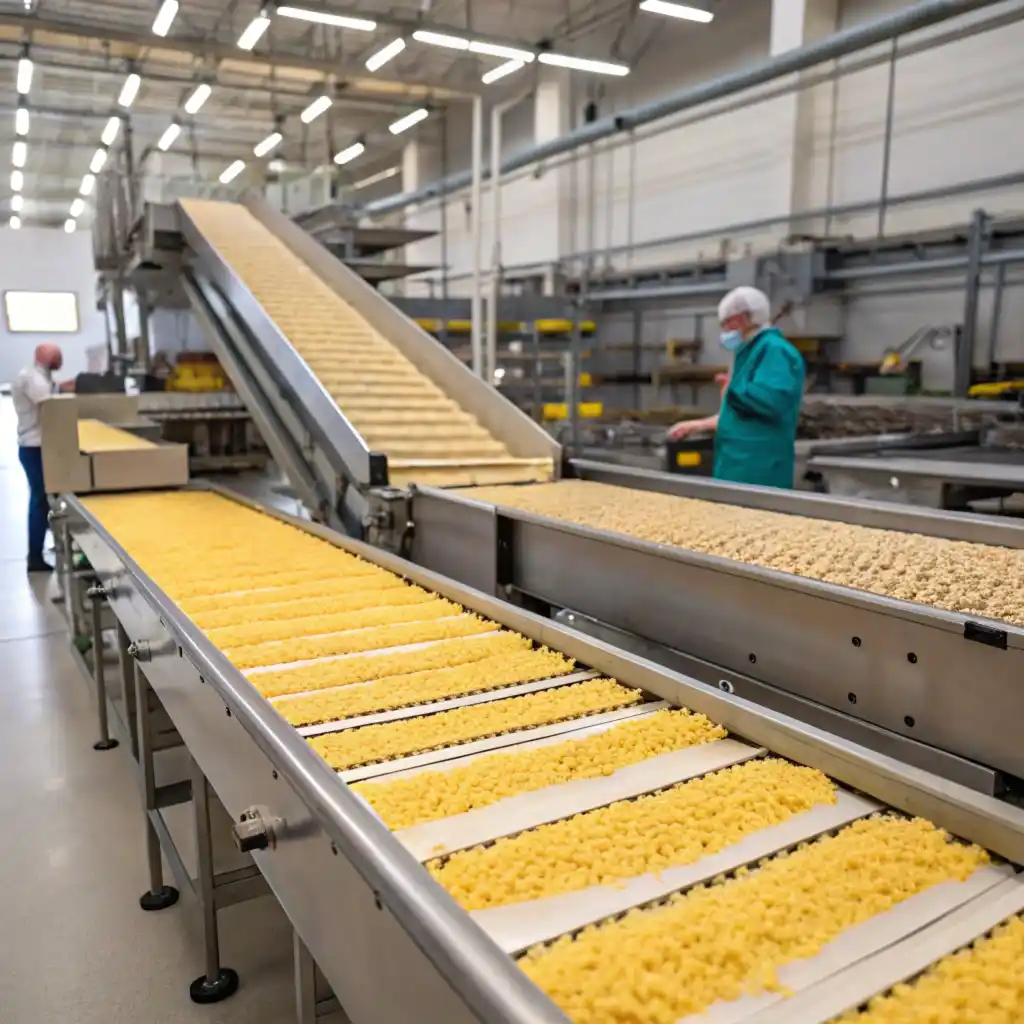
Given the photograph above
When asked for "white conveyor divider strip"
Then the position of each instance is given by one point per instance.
(870, 937)
(401, 649)
(349, 632)
(369, 682)
(553, 803)
(505, 739)
(519, 926)
(435, 707)
(877, 974)
(547, 741)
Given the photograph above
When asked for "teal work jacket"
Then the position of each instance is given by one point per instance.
(756, 438)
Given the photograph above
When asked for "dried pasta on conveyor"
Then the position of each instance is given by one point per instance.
(372, 383)
(958, 576)
(642, 866)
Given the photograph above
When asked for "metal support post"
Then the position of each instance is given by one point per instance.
(99, 675)
(997, 315)
(144, 354)
(126, 668)
(311, 1000)
(218, 983)
(890, 111)
(476, 202)
(159, 896)
(972, 293)
(117, 301)
(72, 591)
(491, 357)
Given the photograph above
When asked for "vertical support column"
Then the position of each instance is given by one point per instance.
(218, 983)
(106, 741)
(796, 23)
(552, 118)
(159, 896)
(126, 668)
(972, 295)
(476, 202)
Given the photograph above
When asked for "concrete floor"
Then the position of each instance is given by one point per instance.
(74, 945)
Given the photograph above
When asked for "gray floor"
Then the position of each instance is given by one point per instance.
(74, 945)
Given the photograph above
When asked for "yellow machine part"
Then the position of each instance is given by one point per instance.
(560, 410)
(996, 388)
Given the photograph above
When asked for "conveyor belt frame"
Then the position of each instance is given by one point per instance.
(944, 679)
(252, 758)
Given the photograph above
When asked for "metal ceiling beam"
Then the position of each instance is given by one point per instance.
(187, 82)
(215, 50)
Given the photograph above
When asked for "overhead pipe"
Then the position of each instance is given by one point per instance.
(918, 16)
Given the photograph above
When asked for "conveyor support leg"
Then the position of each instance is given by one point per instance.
(312, 1000)
(106, 741)
(218, 982)
(159, 896)
(125, 667)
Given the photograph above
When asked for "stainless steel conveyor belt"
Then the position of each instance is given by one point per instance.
(393, 942)
(941, 683)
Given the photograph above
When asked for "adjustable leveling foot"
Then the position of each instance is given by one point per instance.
(212, 990)
(159, 899)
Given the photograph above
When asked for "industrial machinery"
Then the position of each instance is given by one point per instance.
(878, 644)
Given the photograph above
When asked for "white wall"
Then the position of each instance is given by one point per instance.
(47, 259)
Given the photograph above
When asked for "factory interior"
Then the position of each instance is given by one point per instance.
(424, 630)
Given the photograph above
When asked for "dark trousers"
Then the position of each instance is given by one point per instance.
(32, 462)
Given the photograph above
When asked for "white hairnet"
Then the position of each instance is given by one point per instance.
(746, 300)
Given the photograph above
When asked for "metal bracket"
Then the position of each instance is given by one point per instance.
(97, 591)
(139, 650)
(256, 829)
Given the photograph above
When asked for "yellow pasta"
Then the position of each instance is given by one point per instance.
(366, 668)
(355, 641)
(421, 687)
(96, 436)
(725, 940)
(430, 795)
(633, 837)
(375, 743)
(982, 984)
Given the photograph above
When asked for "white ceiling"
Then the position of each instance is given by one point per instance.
(82, 51)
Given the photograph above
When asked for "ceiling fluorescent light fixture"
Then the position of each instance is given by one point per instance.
(681, 11)
(233, 171)
(15, 222)
(277, 166)
(315, 109)
(502, 71)
(165, 17)
(77, 207)
(596, 67)
(170, 135)
(24, 81)
(403, 124)
(99, 158)
(376, 179)
(253, 33)
(69, 225)
(377, 60)
(110, 130)
(346, 156)
(199, 96)
(450, 42)
(17, 203)
(440, 39)
(129, 90)
(19, 154)
(17, 181)
(88, 184)
(21, 121)
(325, 18)
(269, 143)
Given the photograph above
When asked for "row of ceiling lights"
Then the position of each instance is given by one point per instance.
(515, 60)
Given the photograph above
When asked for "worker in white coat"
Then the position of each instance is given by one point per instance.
(34, 384)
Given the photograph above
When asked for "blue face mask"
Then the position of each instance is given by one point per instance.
(731, 340)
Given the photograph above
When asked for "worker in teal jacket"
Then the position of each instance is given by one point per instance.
(755, 429)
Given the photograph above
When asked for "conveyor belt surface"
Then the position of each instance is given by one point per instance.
(976, 579)
(642, 866)
(373, 384)
(96, 436)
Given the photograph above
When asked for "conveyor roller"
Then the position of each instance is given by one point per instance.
(639, 864)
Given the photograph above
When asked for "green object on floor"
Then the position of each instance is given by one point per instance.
(82, 643)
